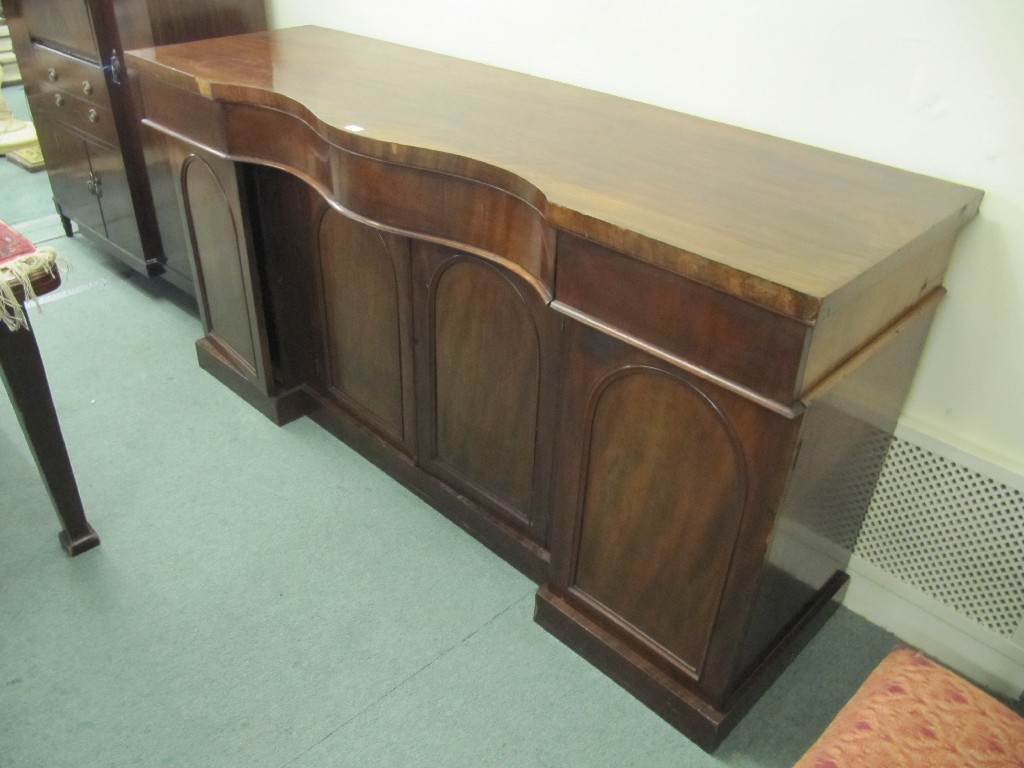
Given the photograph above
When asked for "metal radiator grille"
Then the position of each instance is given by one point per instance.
(952, 533)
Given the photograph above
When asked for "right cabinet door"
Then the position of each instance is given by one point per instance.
(664, 500)
(486, 362)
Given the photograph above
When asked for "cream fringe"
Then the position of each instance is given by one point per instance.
(20, 271)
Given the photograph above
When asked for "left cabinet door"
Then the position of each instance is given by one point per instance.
(216, 212)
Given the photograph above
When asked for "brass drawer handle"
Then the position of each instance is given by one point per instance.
(87, 88)
(93, 116)
(58, 99)
(51, 73)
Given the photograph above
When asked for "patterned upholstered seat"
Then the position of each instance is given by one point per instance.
(914, 712)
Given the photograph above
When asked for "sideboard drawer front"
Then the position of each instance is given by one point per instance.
(729, 338)
(472, 213)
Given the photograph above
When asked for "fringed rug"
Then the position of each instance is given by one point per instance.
(24, 271)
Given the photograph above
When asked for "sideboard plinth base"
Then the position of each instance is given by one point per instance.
(681, 707)
(280, 408)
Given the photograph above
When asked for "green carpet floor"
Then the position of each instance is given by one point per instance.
(264, 597)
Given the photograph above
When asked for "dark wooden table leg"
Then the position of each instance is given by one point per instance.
(25, 380)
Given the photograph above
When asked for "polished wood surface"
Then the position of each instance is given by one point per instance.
(71, 54)
(366, 276)
(627, 349)
(60, 24)
(780, 223)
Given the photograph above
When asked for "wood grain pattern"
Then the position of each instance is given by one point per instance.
(62, 24)
(486, 379)
(663, 491)
(362, 297)
(220, 262)
(485, 365)
(778, 223)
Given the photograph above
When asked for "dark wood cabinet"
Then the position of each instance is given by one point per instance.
(630, 350)
(71, 55)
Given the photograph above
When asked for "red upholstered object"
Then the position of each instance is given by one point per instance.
(25, 272)
(913, 712)
(12, 244)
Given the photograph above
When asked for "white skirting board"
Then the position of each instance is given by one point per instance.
(940, 558)
(990, 660)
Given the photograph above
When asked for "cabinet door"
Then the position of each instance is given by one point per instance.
(368, 325)
(110, 180)
(661, 487)
(216, 213)
(70, 171)
(486, 345)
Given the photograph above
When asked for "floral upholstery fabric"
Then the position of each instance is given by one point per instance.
(913, 712)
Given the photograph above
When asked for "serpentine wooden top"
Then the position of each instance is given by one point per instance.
(781, 224)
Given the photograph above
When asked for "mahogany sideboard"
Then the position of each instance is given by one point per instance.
(71, 55)
(628, 349)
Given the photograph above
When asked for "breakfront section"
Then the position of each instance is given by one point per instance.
(698, 450)
(436, 361)
(636, 369)
(71, 53)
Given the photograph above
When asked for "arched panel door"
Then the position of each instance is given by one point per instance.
(366, 309)
(487, 417)
(662, 496)
(223, 264)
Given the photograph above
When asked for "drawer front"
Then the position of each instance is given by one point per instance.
(83, 116)
(748, 347)
(73, 76)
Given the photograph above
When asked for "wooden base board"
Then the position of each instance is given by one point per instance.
(280, 409)
(680, 706)
(526, 556)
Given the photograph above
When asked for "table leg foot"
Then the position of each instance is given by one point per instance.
(82, 544)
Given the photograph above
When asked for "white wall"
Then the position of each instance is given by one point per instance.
(934, 86)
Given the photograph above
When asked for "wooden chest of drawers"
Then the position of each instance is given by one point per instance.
(71, 54)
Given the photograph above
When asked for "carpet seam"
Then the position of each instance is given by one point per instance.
(408, 679)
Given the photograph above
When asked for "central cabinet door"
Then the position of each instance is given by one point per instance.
(365, 274)
(486, 358)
